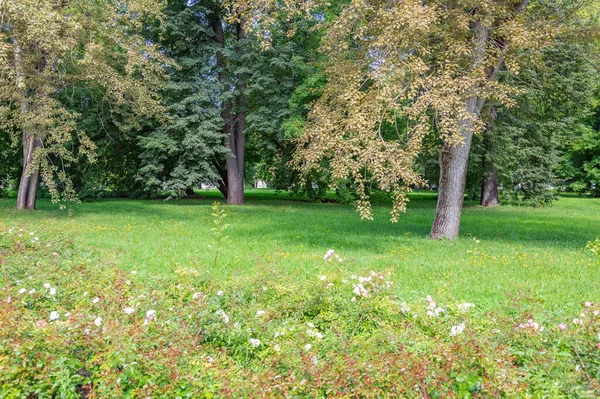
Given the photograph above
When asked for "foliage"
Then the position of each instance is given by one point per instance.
(179, 155)
(76, 325)
(580, 166)
(49, 46)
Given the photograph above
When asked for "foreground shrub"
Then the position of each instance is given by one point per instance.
(73, 325)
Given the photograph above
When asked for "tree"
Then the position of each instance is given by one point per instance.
(46, 47)
(398, 70)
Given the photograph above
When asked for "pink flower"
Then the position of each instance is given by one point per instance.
(562, 326)
(41, 323)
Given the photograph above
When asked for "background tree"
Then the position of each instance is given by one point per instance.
(46, 47)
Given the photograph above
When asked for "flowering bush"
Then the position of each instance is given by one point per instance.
(73, 325)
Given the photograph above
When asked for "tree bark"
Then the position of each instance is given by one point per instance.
(26, 194)
(489, 189)
(489, 184)
(237, 142)
(231, 184)
(455, 158)
(453, 175)
(28, 184)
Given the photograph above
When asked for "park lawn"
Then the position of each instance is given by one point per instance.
(501, 252)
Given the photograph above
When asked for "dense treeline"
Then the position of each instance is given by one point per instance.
(156, 99)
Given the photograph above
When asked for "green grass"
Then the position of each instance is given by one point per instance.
(500, 251)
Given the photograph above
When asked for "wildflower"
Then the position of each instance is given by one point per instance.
(220, 293)
(254, 342)
(353, 277)
(41, 324)
(311, 325)
(464, 307)
(323, 278)
(95, 300)
(129, 310)
(52, 291)
(588, 304)
(197, 295)
(314, 360)
(46, 285)
(577, 321)
(495, 331)
(360, 290)
(32, 233)
(37, 238)
(562, 326)
(98, 321)
(531, 324)
(456, 330)
(277, 348)
(314, 334)
(22, 291)
(54, 315)
(404, 308)
(32, 291)
(307, 347)
(329, 285)
(150, 316)
(224, 317)
(133, 272)
(260, 313)
(353, 299)
(127, 282)
(328, 254)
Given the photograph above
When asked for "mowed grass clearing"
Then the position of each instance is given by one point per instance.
(501, 251)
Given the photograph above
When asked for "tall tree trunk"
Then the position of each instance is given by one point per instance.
(237, 141)
(455, 158)
(489, 184)
(27, 191)
(489, 189)
(26, 194)
(453, 176)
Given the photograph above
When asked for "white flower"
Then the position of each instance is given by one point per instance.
(133, 272)
(150, 316)
(588, 304)
(129, 310)
(260, 313)
(36, 238)
(314, 360)
(328, 255)
(314, 333)
(46, 285)
(220, 293)
(98, 321)
(254, 342)
(95, 300)
(32, 233)
(197, 295)
(54, 315)
(323, 278)
(464, 307)
(307, 347)
(52, 291)
(224, 317)
(22, 291)
(329, 285)
(404, 308)
(277, 348)
(456, 330)
(360, 290)
(353, 277)
(32, 291)
(531, 324)
(127, 282)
